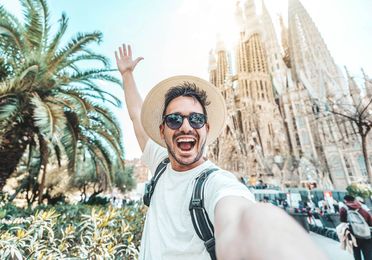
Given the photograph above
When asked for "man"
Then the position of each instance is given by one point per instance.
(364, 246)
(180, 116)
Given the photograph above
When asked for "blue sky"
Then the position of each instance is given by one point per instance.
(175, 36)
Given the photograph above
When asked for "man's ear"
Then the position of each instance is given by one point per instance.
(161, 129)
(207, 126)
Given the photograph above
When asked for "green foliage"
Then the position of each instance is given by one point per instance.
(360, 190)
(72, 231)
(50, 101)
(98, 200)
(125, 181)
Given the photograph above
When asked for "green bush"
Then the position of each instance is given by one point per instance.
(72, 231)
(360, 190)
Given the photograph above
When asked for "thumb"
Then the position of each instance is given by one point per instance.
(137, 60)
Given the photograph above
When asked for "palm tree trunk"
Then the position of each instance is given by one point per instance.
(11, 150)
(42, 184)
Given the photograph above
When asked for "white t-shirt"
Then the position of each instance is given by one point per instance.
(168, 232)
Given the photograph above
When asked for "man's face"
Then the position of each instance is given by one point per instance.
(185, 144)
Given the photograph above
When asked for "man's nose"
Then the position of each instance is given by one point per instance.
(185, 127)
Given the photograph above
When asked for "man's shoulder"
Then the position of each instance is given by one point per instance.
(153, 154)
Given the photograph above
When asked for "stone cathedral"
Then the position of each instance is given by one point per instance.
(279, 128)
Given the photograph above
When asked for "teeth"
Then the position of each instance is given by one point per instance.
(185, 140)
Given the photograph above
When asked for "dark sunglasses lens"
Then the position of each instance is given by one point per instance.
(197, 120)
(174, 121)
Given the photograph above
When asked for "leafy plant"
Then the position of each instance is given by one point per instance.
(360, 190)
(73, 231)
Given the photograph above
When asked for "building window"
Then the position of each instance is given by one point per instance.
(298, 140)
(305, 138)
(300, 121)
(348, 167)
(362, 165)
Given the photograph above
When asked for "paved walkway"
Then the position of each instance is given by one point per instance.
(331, 247)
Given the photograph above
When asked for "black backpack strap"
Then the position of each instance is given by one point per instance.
(150, 186)
(200, 220)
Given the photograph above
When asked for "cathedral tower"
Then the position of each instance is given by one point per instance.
(311, 61)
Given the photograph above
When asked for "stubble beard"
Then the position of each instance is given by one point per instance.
(197, 158)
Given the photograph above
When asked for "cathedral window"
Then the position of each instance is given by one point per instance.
(348, 167)
(300, 121)
(305, 138)
(362, 165)
(298, 140)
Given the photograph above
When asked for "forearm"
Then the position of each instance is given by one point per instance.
(132, 97)
(264, 232)
(134, 102)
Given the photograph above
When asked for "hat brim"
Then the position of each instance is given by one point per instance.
(153, 106)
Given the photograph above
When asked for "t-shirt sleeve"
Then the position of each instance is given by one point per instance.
(153, 155)
(222, 184)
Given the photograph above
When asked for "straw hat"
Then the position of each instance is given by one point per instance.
(153, 106)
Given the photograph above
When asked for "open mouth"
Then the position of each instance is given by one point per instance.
(186, 144)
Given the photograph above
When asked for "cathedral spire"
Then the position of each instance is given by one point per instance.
(222, 63)
(252, 23)
(309, 54)
(220, 44)
(212, 61)
(239, 17)
(354, 89)
(212, 68)
(285, 45)
(367, 84)
(273, 51)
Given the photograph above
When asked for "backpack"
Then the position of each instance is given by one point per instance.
(200, 220)
(359, 226)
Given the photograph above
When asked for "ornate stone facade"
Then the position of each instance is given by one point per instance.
(279, 127)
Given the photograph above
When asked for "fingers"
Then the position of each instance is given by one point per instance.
(121, 52)
(125, 50)
(137, 60)
(116, 57)
(129, 51)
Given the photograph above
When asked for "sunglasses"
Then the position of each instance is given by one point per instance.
(175, 120)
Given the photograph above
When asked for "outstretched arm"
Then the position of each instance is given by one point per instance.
(126, 66)
(259, 231)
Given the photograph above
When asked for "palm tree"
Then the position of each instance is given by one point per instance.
(49, 105)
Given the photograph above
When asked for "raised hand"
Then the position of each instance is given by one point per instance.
(124, 59)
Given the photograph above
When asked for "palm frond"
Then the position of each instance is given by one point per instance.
(114, 145)
(10, 113)
(71, 63)
(95, 74)
(6, 88)
(9, 107)
(76, 45)
(46, 26)
(53, 45)
(33, 23)
(101, 164)
(90, 89)
(48, 117)
(10, 29)
(76, 103)
(100, 146)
